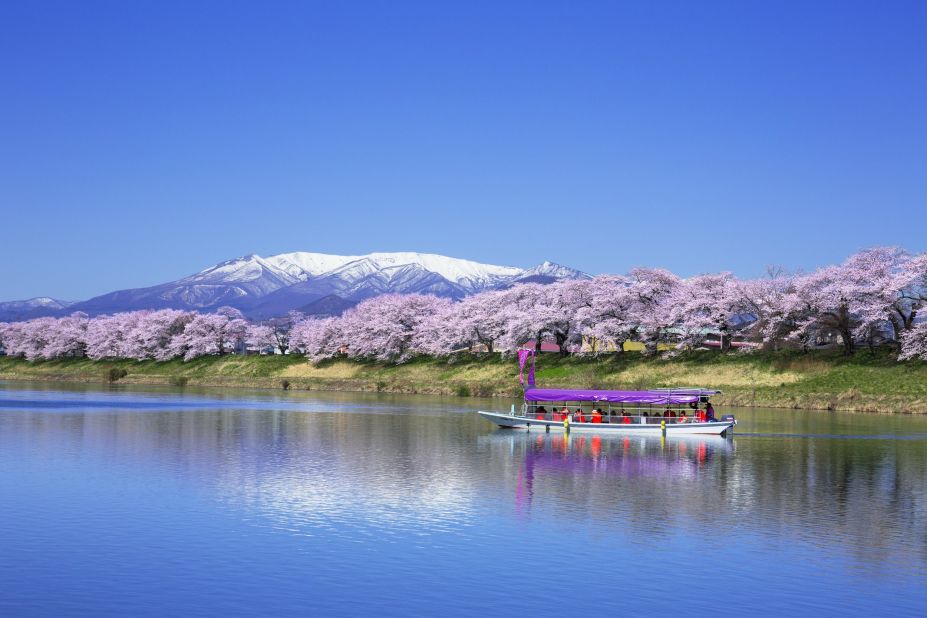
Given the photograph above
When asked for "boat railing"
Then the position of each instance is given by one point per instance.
(609, 419)
(686, 390)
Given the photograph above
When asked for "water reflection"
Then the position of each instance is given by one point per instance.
(595, 468)
(869, 496)
(389, 472)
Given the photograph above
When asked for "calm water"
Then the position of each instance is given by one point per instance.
(153, 502)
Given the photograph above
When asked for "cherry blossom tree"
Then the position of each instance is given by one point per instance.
(281, 327)
(387, 327)
(34, 337)
(653, 291)
(771, 302)
(914, 343)
(891, 289)
(108, 335)
(209, 334)
(706, 304)
(67, 337)
(260, 337)
(317, 338)
(155, 330)
(873, 291)
(522, 317)
(825, 300)
(17, 340)
(446, 330)
(607, 316)
(481, 319)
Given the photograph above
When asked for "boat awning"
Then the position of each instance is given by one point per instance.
(655, 397)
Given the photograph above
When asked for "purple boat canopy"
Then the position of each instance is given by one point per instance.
(655, 397)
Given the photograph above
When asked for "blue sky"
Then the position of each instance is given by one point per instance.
(142, 141)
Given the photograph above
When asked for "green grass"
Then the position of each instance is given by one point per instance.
(868, 381)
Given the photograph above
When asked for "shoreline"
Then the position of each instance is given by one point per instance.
(869, 382)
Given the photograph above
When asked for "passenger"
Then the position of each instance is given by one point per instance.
(699, 415)
(625, 419)
(645, 418)
(578, 416)
(710, 412)
(673, 413)
(682, 417)
(596, 416)
(541, 413)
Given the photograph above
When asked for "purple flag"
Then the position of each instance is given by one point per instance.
(522, 359)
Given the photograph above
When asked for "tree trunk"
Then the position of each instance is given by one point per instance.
(847, 337)
(725, 340)
(897, 328)
(561, 343)
(537, 343)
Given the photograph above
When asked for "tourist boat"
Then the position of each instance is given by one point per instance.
(665, 411)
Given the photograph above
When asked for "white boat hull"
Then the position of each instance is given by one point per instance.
(713, 428)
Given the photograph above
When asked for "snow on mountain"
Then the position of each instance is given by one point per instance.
(264, 287)
(548, 272)
(251, 273)
(466, 273)
(303, 264)
(39, 302)
(233, 282)
(32, 308)
(358, 280)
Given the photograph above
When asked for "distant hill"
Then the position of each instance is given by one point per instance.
(32, 308)
(315, 283)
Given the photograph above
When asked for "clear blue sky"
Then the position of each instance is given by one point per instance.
(142, 141)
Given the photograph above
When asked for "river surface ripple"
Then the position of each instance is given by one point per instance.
(202, 502)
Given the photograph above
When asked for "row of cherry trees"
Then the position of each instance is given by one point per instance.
(872, 298)
(159, 335)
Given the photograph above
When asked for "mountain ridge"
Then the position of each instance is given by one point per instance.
(266, 287)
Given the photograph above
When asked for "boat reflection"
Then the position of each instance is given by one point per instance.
(609, 454)
(617, 465)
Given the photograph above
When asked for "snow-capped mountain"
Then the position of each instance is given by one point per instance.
(234, 282)
(465, 273)
(32, 308)
(319, 283)
(548, 272)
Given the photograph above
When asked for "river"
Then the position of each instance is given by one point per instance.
(133, 501)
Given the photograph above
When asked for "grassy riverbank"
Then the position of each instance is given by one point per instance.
(867, 382)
